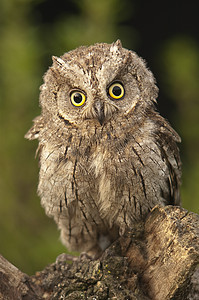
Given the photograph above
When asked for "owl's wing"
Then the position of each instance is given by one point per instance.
(33, 132)
(168, 139)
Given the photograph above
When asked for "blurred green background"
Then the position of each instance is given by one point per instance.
(165, 33)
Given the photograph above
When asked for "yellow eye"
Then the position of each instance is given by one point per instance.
(116, 91)
(77, 98)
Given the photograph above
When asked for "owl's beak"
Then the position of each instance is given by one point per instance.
(99, 111)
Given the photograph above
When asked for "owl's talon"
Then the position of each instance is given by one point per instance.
(85, 255)
(65, 257)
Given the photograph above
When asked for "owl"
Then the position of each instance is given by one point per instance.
(106, 155)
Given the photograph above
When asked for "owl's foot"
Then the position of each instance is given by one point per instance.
(85, 255)
(64, 257)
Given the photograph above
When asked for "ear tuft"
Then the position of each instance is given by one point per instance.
(58, 61)
(118, 43)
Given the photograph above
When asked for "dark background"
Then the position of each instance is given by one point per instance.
(165, 33)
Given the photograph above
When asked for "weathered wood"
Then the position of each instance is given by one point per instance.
(170, 252)
(14, 284)
(154, 261)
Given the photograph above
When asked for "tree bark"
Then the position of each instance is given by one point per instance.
(157, 260)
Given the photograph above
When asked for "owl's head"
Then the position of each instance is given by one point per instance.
(95, 84)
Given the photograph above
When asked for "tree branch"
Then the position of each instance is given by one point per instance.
(154, 261)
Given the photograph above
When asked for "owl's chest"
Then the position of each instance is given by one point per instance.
(101, 179)
(102, 172)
